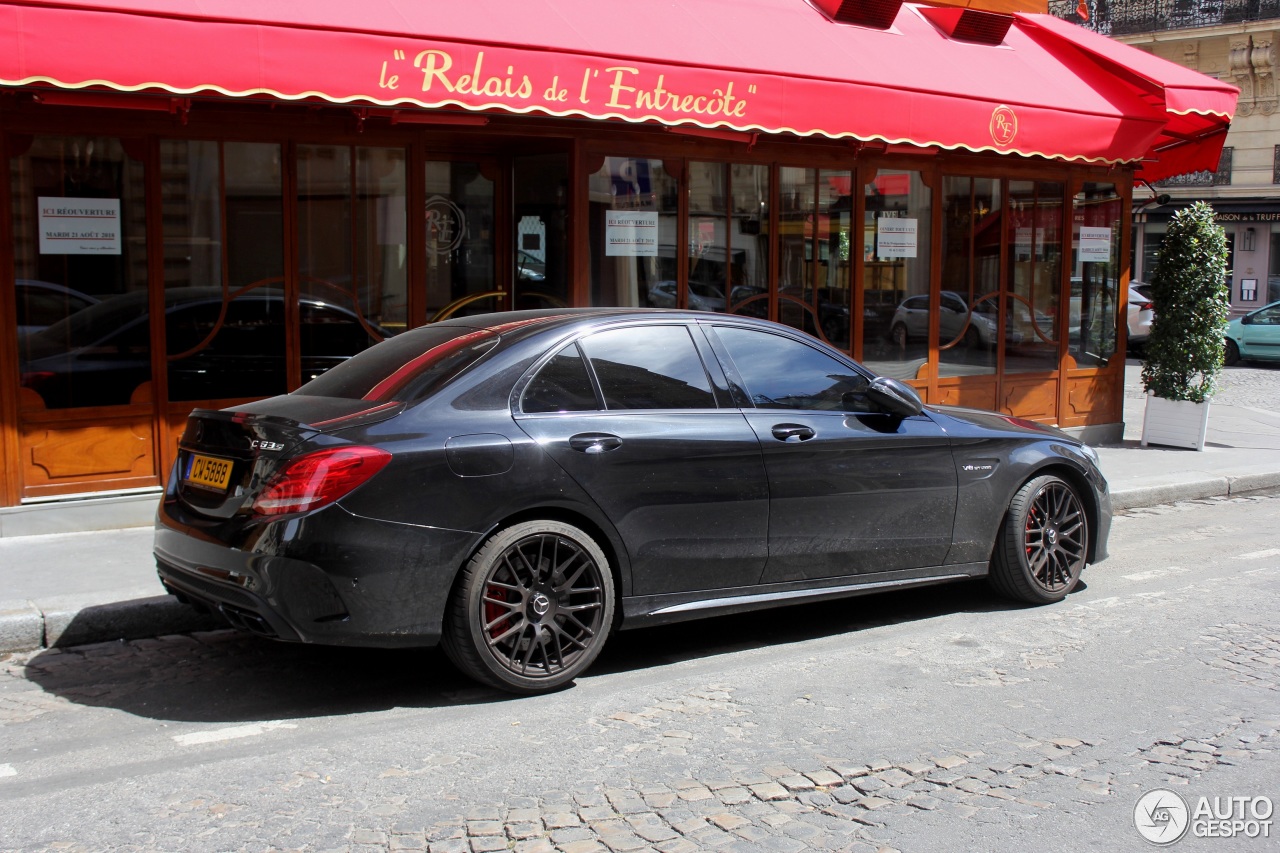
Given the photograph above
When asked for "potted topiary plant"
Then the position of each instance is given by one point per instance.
(1183, 355)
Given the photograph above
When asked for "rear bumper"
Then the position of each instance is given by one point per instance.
(348, 581)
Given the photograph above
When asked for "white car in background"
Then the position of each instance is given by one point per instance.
(1141, 314)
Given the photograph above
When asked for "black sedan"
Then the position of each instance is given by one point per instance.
(517, 486)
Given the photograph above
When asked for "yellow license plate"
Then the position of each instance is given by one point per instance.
(209, 472)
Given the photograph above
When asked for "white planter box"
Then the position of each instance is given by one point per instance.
(1174, 423)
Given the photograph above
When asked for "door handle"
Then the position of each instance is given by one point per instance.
(788, 432)
(595, 442)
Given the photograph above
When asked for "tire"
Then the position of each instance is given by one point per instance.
(532, 609)
(898, 335)
(972, 337)
(1231, 355)
(1042, 544)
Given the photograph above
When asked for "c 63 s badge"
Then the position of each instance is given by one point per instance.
(270, 446)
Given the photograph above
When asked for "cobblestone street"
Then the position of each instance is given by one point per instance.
(939, 720)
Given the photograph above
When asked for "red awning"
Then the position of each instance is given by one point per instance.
(769, 66)
(1198, 108)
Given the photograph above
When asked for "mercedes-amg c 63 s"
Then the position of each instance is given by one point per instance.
(518, 486)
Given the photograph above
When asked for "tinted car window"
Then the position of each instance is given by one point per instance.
(562, 385)
(780, 373)
(404, 368)
(649, 367)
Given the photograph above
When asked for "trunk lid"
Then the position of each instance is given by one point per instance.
(225, 456)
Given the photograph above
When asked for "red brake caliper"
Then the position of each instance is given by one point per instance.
(493, 610)
(1026, 540)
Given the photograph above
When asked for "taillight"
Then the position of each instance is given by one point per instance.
(318, 479)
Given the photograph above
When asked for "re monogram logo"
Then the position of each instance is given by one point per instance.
(1004, 125)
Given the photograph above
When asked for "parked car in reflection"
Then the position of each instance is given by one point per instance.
(911, 320)
(43, 303)
(100, 355)
(1255, 336)
(529, 268)
(702, 297)
(516, 487)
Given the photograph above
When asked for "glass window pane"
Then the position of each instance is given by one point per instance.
(340, 193)
(562, 385)
(461, 277)
(709, 264)
(749, 239)
(655, 367)
(1095, 276)
(780, 373)
(82, 297)
(1034, 237)
(814, 282)
(381, 245)
(540, 190)
(797, 201)
(968, 322)
(896, 233)
(632, 224)
(223, 339)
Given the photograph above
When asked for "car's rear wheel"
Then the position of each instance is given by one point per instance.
(898, 334)
(532, 608)
(1043, 542)
(1231, 355)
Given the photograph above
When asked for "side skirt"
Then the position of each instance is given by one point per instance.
(645, 610)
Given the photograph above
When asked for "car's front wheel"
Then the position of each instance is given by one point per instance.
(1231, 354)
(1042, 544)
(532, 608)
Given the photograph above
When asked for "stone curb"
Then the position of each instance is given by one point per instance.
(25, 627)
(1191, 490)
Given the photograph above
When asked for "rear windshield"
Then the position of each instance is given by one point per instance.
(404, 368)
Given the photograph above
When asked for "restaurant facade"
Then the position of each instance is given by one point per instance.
(206, 205)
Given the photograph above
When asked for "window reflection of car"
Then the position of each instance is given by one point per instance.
(911, 320)
(100, 355)
(1020, 325)
(529, 268)
(1141, 314)
(702, 297)
(43, 303)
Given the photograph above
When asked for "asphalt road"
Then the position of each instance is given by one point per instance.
(936, 720)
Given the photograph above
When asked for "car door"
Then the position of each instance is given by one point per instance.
(851, 492)
(1260, 336)
(630, 414)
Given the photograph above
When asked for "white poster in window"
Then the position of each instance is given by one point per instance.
(1095, 244)
(896, 238)
(630, 234)
(79, 226)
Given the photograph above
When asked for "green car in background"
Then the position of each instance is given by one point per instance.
(1255, 336)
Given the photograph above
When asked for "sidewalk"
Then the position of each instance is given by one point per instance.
(73, 588)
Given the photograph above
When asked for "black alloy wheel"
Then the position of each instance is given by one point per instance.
(1043, 542)
(532, 609)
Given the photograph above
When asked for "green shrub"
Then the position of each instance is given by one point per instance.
(1191, 299)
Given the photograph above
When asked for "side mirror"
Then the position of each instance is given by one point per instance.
(1246, 320)
(896, 398)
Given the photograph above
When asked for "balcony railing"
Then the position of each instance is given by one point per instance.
(1124, 17)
